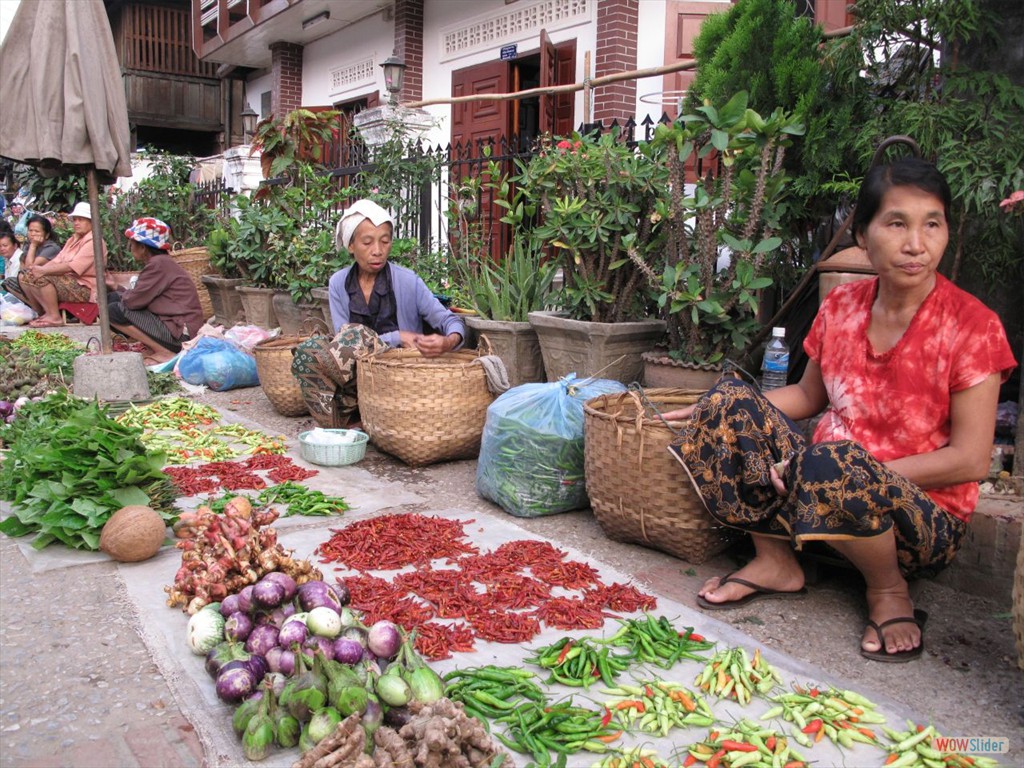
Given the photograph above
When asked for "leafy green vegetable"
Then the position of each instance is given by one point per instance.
(70, 467)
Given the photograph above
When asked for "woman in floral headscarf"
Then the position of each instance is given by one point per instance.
(162, 310)
(373, 303)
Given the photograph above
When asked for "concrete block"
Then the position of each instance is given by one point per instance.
(987, 558)
(114, 377)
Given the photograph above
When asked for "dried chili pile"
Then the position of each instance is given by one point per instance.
(236, 475)
(500, 596)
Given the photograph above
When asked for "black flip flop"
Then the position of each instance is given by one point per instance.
(759, 593)
(900, 657)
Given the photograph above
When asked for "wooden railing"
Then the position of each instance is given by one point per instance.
(158, 39)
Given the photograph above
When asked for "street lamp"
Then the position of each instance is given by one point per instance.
(249, 118)
(394, 74)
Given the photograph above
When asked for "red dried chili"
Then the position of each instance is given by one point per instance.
(570, 613)
(570, 574)
(391, 542)
(623, 598)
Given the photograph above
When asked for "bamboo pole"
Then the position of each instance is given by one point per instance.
(615, 77)
(588, 91)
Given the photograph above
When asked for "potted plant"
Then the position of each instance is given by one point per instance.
(297, 139)
(595, 198)
(226, 301)
(720, 239)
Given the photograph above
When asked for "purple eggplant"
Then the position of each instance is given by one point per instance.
(229, 605)
(281, 614)
(245, 604)
(314, 594)
(341, 592)
(355, 633)
(258, 666)
(281, 660)
(324, 644)
(235, 684)
(286, 581)
(262, 639)
(292, 632)
(221, 654)
(238, 627)
(267, 594)
(347, 651)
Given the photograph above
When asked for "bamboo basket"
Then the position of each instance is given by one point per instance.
(1018, 603)
(423, 410)
(196, 263)
(274, 367)
(638, 491)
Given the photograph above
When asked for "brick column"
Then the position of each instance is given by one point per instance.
(616, 52)
(286, 91)
(409, 46)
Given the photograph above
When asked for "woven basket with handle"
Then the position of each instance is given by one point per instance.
(196, 263)
(638, 491)
(274, 367)
(423, 410)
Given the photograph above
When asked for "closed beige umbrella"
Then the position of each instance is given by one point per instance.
(63, 103)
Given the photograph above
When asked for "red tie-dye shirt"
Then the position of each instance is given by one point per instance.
(897, 403)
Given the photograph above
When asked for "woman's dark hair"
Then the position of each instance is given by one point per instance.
(42, 221)
(8, 232)
(905, 172)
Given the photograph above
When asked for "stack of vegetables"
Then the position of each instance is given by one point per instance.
(304, 670)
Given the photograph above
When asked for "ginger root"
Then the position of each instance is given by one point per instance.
(441, 735)
(340, 748)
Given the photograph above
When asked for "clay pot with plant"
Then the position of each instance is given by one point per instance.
(298, 138)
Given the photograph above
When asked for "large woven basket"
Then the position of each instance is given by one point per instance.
(196, 262)
(1018, 603)
(638, 491)
(274, 367)
(423, 410)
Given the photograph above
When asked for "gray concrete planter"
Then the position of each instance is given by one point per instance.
(259, 306)
(225, 299)
(605, 350)
(662, 371)
(515, 343)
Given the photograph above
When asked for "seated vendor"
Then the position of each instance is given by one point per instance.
(374, 304)
(70, 276)
(162, 311)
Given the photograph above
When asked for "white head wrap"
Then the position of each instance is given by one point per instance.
(356, 214)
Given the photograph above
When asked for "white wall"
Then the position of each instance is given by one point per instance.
(255, 86)
(372, 38)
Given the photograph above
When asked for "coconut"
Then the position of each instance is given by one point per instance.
(132, 534)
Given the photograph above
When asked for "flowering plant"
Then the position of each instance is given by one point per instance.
(1014, 203)
(595, 198)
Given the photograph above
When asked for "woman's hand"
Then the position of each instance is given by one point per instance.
(681, 414)
(776, 472)
(433, 345)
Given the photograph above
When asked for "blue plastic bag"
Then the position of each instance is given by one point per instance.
(531, 452)
(218, 364)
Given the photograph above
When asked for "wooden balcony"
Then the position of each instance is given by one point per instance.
(240, 32)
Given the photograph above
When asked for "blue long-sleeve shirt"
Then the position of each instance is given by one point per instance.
(414, 301)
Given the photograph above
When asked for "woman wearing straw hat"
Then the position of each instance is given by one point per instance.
(373, 303)
(162, 310)
(69, 276)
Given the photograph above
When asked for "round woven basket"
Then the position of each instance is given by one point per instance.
(638, 491)
(1018, 603)
(423, 410)
(196, 262)
(274, 367)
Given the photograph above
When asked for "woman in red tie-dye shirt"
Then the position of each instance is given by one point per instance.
(907, 369)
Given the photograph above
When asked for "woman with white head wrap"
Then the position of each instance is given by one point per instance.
(373, 303)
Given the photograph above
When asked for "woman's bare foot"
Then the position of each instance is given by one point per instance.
(884, 605)
(774, 567)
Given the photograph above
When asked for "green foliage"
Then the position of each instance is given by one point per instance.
(511, 288)
(50, 194)
(70, 467)
(165, 194)
(711, 307)
(596, 198)
(762, 47)
(293, 141)
(967, 121)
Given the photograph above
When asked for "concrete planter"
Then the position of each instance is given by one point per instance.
(297, 318)
(605, 350)
(515, 343)
(320, 295)
(259, 306)
(662, 371)
(225, 299)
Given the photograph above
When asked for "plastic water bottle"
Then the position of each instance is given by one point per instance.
(775, 365)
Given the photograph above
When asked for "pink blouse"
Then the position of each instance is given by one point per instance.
(897, 403)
